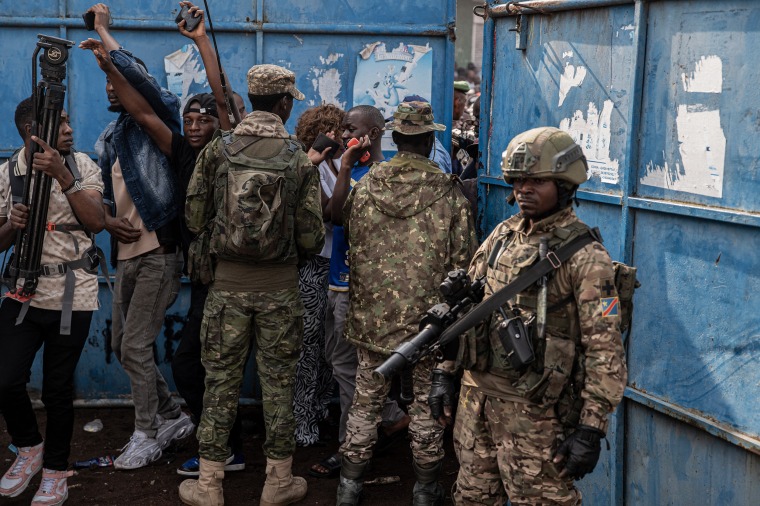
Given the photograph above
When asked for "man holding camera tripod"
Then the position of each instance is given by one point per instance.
(75, 208)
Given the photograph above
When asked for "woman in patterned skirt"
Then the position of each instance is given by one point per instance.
(314, 385)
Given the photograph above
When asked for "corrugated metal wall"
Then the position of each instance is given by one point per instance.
(319, 40)
(663, 98)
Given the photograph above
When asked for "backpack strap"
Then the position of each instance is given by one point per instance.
(239, 144)
(16, 181)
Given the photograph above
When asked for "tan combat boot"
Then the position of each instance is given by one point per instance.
(281, 487)
(207, 489)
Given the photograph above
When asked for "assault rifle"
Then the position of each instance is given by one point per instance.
(459, 293)
(442, 324)
(48, 97)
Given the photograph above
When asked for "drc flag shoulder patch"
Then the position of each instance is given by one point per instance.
(610, 306)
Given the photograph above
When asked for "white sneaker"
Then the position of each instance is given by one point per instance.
(53, 489)
(27, 464)
(173, 429)
(139, 452)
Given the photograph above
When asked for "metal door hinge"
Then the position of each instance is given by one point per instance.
(521, 32)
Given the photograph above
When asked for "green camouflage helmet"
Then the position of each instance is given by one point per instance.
(544, 152)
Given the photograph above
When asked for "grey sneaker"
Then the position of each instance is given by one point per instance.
(173, 429)
(139, 452)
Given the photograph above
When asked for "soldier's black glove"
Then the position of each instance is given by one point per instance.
(578, 454)
(441, 393)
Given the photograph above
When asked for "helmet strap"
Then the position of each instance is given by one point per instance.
(566, 194)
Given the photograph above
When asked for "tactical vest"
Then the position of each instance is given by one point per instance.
(557, 371)
(255, 201)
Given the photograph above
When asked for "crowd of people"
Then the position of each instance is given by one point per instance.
(320, 256)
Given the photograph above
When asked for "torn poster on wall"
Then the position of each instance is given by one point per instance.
(327, 81)
(698, 166)
(384, 76)
(592, 133)
(185, 73)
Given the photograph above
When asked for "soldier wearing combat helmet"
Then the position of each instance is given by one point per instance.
(406, 197)
(527, 431)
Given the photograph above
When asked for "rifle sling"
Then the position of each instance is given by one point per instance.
(498, 299)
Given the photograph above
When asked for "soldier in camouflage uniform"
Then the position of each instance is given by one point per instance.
(464, 130)
(463, 121)
(408, 203)
(254, 292)
(527, 434)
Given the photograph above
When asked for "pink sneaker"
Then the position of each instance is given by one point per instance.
(53, 489)
(27, 464)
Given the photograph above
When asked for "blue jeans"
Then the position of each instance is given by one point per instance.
(145, 288)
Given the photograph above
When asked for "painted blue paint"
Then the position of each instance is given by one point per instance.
(693, 346)
(732, 36)
(702, 339)
(670, 463)
(287, 32)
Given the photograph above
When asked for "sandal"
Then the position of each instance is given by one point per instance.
(331, 464)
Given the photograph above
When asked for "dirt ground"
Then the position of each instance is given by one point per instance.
(157, 484)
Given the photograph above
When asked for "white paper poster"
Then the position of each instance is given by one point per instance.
(385, 75)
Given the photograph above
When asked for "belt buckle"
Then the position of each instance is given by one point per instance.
(553, 259)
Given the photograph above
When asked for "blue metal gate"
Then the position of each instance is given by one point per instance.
(320, 40)
(663, 98)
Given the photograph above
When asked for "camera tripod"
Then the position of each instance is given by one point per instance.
(48, 96)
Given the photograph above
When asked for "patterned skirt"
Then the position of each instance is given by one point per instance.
(314, 383)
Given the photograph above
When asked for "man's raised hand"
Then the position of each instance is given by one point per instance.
(101, 55)
(200, 30)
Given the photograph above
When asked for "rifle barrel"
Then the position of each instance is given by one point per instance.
(407, 353)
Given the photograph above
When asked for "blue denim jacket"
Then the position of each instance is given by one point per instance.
(151, 183)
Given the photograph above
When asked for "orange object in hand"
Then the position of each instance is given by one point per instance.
(365, 156)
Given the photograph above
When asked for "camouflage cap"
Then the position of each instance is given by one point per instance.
(271, 80)
(413, 118)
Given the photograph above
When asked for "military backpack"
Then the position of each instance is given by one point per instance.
(255, 202)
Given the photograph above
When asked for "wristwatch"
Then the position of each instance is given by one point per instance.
(74, 187)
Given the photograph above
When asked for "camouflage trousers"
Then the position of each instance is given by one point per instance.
(231, 321)
(366, 413)
(505, 450)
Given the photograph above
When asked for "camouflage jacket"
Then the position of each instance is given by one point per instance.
(200, 207)
(407, 225)
(581, 359)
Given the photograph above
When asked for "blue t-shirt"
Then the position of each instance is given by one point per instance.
(338, 278)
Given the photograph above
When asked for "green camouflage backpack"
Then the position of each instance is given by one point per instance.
(255, 201)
